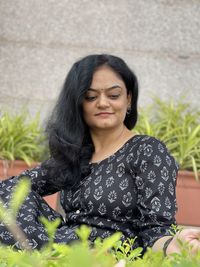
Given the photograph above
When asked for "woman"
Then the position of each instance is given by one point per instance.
(110, 179)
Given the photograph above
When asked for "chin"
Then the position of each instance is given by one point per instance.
(106, 126)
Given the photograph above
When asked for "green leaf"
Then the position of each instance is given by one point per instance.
(83, 232)
(19, 194)
(109, 242)
(135, 253)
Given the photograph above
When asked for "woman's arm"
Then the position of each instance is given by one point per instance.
(170, 244)
(157, 200)
(189, 236)
(39, 178)
(156, 173)
(162, 244)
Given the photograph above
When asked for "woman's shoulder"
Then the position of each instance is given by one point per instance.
(143, 140)
(147, 146)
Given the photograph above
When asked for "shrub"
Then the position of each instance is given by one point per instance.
(21, 137)
(104, 253)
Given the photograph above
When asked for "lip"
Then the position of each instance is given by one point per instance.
(103, 114)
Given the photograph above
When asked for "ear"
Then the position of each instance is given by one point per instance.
(129, 98)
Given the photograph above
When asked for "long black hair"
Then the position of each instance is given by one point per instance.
(70, 143)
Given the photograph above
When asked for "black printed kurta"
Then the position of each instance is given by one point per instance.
(132, 191)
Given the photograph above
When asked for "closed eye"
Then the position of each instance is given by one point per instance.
(90, 98)
(114, 96)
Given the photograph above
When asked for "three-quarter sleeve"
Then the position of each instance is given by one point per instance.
(39, 178)
(156, 187)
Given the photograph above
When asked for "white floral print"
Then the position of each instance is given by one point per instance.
(132, 191)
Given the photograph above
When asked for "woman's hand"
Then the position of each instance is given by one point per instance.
(189, 236)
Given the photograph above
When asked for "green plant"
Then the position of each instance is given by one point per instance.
(103, 253)
(176, 124)
(8, 215)
(21, 137)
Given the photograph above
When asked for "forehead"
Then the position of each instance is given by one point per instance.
(106, 77)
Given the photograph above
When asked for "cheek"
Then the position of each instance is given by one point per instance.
(121, 107)
(121, 111)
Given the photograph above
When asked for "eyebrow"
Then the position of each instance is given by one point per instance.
(107, 89)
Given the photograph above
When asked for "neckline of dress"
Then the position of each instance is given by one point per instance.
(100, 161)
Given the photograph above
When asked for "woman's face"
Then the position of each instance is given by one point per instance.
(106, 101)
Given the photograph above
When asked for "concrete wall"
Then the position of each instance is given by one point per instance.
(41, 39)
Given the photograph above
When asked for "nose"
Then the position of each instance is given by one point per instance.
(103, 102)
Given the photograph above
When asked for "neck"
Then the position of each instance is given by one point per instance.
(105, 139)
